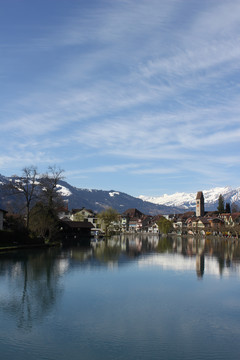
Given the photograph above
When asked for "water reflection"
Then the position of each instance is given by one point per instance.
(206, 256)
(128, 297)
(200, 254)
(32, 279)
(31, 285)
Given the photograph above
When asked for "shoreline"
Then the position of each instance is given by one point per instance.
(26, 246)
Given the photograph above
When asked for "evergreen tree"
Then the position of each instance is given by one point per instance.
(228, 209)
(220, 204)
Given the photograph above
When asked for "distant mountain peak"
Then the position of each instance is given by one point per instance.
(188, 200)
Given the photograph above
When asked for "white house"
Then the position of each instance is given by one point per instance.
(88, 215)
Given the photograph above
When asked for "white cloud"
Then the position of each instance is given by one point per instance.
(138, 81)
(111, 168)
(156, 171)
(19, 160)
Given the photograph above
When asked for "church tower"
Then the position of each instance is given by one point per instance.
(199, 204)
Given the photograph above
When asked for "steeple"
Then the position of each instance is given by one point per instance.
(199, 204)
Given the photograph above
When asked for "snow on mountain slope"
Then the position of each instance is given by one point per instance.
(188, 200)
(63, 190)
(112, 194)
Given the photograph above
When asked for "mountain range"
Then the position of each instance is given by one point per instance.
(187, 201)
(98, 200)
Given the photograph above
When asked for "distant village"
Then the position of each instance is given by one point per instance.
(200, 222)
(85, 222)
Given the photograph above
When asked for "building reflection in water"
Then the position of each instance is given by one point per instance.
(220, 255)
(200, 265)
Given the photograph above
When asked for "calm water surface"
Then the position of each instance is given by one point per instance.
(133, 298)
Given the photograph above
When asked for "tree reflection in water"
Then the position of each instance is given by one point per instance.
(36, 276)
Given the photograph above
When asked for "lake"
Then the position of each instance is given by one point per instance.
(134, 297)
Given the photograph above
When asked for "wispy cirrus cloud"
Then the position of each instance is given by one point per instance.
(153, 85)
(19, 160)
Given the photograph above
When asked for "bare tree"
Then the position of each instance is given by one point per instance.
(44, 219)
(49, 182)
(25, 186)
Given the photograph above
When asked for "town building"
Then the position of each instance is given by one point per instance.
(84, 214)
(199, 204)
(75, 232)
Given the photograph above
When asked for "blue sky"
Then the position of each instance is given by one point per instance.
(140, 96)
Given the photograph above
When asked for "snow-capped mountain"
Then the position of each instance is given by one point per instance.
(96, 200)
(187, 201)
